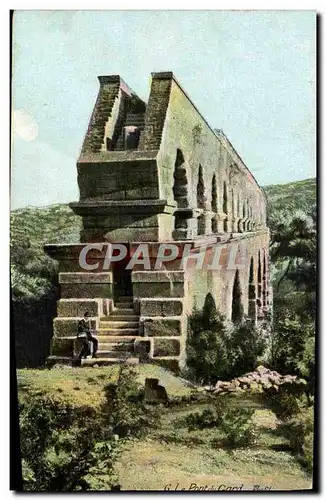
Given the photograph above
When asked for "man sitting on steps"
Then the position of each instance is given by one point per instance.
(85, 331)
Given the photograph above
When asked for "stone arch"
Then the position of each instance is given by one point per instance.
(214, 194)
(209, 308)
(259, 281)
(252, 292)
(237, 307)
(265, 291)
(200, 189)
(248, 215)
(214, 204)
(225, 206)
(180, 186)
(201, 201)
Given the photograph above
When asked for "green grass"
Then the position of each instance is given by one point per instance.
(171, 454)
(84, 386)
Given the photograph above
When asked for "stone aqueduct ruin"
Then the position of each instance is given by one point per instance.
(154, 173)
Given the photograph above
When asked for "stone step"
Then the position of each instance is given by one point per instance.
(114, 354)
(118, 324)
(108, 361)
(118, 331)
(128, 311)
(120, 317)
(125, 298)
(124, 338)
(114, 345)
(135, 120)
(124, 305)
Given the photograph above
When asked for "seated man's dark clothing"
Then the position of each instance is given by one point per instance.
(84, 328)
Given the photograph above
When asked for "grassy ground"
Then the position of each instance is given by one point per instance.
(171, 456)
(84, 386)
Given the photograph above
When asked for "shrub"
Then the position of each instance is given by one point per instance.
(62, 446)
(217, 350)
(124, 409)
(290, 342)
(238, 427)
(235, 422)
(299, 431)
(247, 344)
(207, 351)
(207, 419)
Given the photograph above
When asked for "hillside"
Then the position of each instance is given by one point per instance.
(291, 196)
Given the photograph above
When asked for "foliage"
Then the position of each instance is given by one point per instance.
(289, 342)
(61, 447)
(69, 448)
(124, 409)
(217, 350)
(305, 362)
(33, 273)
(235, 422)
(299, 431)
(238, 427)
(206, 419)
(293, 252)
(247, 344)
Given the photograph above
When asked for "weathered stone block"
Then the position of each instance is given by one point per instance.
(158, 289)
(86, 290)
(161, 307)
(63, 327)
(77, 308)
(84, 278)
(166, 347)
(62, 347)
(158, 276)
(163, 327)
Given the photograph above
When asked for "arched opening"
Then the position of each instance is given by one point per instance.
(225, 206)
(180, 186)
(237, 308)
(214, 194)
(214, 204)
(264, 279)
(248, 215)
(180, 190)
(259, 280)
(200, 189)
(200, 201)
(251, 292)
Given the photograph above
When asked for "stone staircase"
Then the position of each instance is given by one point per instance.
(132, 120)
(116, 335)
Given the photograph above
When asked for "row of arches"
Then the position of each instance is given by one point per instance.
(238, 212)
(257, 290)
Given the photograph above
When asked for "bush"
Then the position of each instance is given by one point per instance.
(207, 352)
(124, 409)
(290, 341)
(247, 344)
(235, 422)
(238, 427)
(61, 447)
(299, 431)
(217, 350)
(64, 448)
(207, 419)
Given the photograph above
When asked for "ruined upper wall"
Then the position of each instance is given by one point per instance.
(186, 133)
(163, 152)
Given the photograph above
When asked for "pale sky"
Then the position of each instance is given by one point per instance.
(251, 74)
